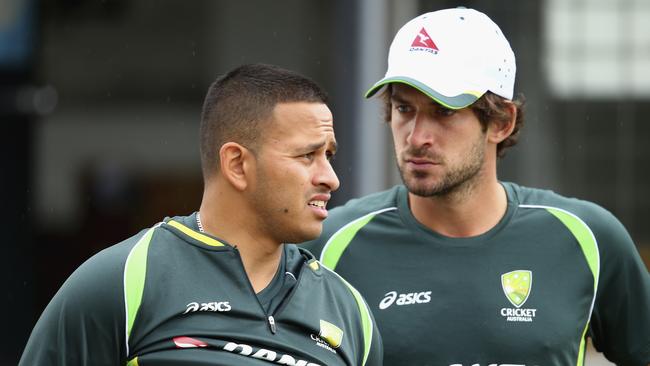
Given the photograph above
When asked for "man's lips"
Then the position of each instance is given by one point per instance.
(420, 164)
(318, 204)
(419, 161)
(319, 201)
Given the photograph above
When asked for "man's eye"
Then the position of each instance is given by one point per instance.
(402, 108)
(308, 156)
(330, 155)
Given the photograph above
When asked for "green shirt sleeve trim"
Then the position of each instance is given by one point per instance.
(135, 272)
(336, 244)
(366, 319)
(589, 246)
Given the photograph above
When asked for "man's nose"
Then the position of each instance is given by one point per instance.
(421, 132)
(327, 176)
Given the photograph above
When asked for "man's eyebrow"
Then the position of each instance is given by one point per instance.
(314, 146)
(317, 145)
(397, 98)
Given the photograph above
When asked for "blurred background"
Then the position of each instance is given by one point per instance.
(100, 104)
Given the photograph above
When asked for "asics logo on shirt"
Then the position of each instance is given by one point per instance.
(404, 299)
(215, 306)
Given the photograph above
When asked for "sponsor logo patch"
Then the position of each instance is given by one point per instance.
(331, 333)
(329, 337)
(517, 286)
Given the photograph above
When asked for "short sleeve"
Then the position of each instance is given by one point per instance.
(620, 325)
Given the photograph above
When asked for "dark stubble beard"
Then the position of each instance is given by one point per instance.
(459, 180)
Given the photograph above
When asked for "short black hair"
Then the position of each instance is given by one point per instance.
(238, 102)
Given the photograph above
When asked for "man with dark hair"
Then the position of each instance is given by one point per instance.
(219, 287)
(458, 267)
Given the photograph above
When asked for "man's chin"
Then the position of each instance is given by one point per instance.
(308, 235)
(422, 192)
(420, 187)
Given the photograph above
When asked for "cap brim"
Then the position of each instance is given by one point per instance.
(456, 102)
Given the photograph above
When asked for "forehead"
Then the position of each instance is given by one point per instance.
(302, 116)
(301, 123)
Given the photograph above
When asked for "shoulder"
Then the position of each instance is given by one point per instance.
(86, 316)
(593, 215)
(97, 285)
(350, 298)
(339, 300)
(343, 290)
(105, 266)
(95, 290)
(609, 234)
(110, 261)
(340, 291)
(356, 302)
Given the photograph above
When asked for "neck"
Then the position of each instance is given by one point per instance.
(231, 221)
(468, 211)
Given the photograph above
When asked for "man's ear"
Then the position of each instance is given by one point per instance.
(236, 164)
(499, 130)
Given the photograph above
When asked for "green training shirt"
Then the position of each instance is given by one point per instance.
(174, 296)
(527, 292)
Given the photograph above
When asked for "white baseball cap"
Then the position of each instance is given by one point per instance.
(454, 56)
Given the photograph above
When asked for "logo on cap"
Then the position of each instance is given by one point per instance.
(423, 41)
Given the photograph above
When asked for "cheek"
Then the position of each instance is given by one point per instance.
(398, 132)
(292, 181)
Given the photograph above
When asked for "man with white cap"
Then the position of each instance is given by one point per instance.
(458, 267)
